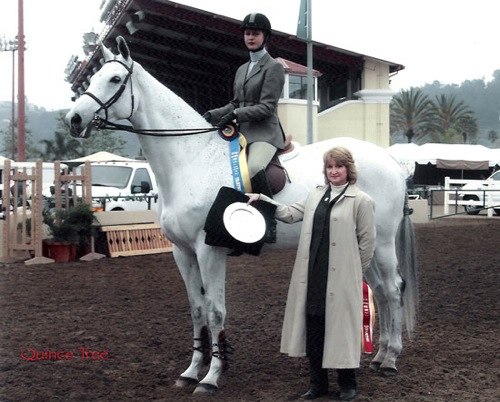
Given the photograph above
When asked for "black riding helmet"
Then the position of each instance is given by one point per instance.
(257, 21)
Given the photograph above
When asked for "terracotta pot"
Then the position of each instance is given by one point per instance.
(61, 252)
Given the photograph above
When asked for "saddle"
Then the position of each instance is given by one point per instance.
(275, 172)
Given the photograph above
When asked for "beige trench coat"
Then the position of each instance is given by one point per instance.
(352, 242)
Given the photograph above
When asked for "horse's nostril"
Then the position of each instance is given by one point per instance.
(76, 120)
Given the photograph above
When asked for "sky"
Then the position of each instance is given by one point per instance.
(445, 40)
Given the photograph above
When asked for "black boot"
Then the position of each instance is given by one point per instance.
(346, 379)
(260, 184)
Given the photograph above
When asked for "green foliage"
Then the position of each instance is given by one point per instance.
(420, 119)
(467, 127)
(64, 146)
(31, 151)
(104, 140)
(481, 97)
(492, 136)
(413, 114)
(449, 112)
(73, 225)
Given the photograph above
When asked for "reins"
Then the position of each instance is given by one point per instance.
(102, 124)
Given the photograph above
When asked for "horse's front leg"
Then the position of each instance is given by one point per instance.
(190, 272)
(212, 263)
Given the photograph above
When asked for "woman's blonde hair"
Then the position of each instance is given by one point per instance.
(343, 157)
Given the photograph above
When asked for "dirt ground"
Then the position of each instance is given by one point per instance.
(123, 330)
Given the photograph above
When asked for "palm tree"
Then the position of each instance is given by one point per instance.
(412, 113)
(450, 113)
(467, 127)
(60, 148)
(63, 146)
(492, 136)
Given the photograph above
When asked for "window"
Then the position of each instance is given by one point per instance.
(112, 176)
(297, 87)
(140, 176)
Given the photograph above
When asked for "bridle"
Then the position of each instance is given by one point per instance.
(106, 105)
(101, 124)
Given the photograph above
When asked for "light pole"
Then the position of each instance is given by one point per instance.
(11, 46)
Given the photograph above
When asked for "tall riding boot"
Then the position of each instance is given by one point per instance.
(260, 184)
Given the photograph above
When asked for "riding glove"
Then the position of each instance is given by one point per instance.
(208, 117)
(226, 119)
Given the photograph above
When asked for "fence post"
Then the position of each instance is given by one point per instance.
(37, 211)
(446, 195)
(489, 200)
(6, 209)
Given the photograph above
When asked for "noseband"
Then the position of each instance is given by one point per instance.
(105, 105)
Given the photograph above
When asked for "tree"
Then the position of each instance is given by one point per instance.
(60, 148)
(63, 146)
(492, 136)
(104, 140)
(412, 113)
(450, 113)
(467, 127)
(31, 150)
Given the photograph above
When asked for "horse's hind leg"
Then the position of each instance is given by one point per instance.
(190, 272)
(387, 285)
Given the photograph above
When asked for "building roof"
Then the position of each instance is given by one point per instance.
(196, 53)
(296, 68)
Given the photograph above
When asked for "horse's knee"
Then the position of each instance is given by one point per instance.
(197, 312)
(216, 318)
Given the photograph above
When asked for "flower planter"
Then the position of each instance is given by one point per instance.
(60, 252)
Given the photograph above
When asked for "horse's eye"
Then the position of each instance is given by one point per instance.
(115, 79)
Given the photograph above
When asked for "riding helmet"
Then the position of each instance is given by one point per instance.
(257, 21)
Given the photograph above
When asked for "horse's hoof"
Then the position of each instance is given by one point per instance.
(388, 371)
(205, 389)
(375, 366)
(183, 382)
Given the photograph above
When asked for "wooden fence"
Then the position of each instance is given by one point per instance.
(23, 205)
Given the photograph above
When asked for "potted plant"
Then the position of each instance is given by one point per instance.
(71, 230)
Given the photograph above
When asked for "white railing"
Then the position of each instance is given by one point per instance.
(452, 188)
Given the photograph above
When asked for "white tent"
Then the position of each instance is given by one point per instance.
(101, 156)
(405, 155)
(455, 156)
(3, 159)
(446, 156)
(494, 157)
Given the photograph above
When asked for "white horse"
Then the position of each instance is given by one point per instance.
(190, 170)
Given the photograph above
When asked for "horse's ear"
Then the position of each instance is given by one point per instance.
(123, 47)
(107, 54)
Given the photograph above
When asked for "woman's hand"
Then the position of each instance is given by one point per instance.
(252, 197)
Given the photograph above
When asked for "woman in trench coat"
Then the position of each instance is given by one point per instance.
(323, 316)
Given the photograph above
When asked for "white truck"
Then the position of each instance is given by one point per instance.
(124, 186)
(477, 190)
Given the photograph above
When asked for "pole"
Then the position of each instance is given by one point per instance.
(21, 131)
(310, 82)
(13, 107)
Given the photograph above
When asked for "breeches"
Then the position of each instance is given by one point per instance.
(259, 154)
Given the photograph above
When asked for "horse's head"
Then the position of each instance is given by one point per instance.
(109, 95)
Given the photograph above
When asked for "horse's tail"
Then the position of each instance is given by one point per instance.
(407, 258)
